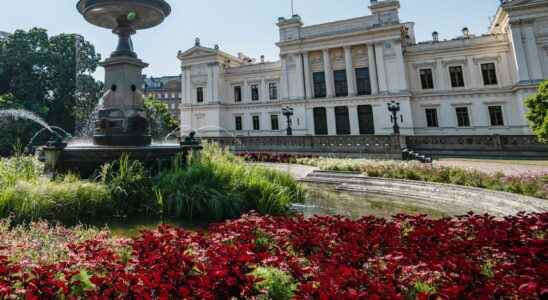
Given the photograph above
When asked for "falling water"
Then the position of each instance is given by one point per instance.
(185, 129)
(89, 126)
(17, 114)
(54, 129)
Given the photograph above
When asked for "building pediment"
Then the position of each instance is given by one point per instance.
(197, 51)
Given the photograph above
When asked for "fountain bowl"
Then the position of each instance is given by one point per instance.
(108, 13)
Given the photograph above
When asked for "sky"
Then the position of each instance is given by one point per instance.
(246, 26)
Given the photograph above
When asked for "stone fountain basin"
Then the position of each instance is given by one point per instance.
(105, 13)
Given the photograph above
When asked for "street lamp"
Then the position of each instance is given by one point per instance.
(288, 112)
(394, 108)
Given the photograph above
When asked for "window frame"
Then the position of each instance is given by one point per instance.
(273, 90)
(240, 123)
(255, 92)
(469, 118)
(502, 117)
(320, 87)
(489, 81)
(258, 119)
(461, 76)
(277, 118)
(237, 93)
(436, 118)
(200, 96)
(431, 85)
(341, 86)
(365, 79)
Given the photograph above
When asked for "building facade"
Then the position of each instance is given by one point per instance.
(166, 89)
(338, 78)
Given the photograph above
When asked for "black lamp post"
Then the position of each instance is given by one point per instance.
(394, 108)
(288, 112)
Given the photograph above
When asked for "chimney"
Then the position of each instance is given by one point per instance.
(262, 59)
(435, 37)
(387, 11)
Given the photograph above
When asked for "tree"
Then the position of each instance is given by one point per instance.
(161, 121)
(538, 112)
(50, 76)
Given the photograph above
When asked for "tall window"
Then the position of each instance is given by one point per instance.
(427, 80)
(363, 81)
(238, 94)
(200, 94)
(496, 116)
(365, 119)
(274, 123)
(341, 85)
(273, 90)
(320, 121)
(255, 92)
(457, 77)
(489, 74)
(432, 117)
(463, 118)
(238, 123)
(319, 84)
(342, 121)
(256, 123)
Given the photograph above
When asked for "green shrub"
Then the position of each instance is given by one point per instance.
(130, 186)
(274, 283)
(217, 185)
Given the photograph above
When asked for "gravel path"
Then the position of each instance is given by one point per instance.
(508, 168)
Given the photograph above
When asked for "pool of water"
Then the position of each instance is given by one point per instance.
(322, 200)
(326, 200)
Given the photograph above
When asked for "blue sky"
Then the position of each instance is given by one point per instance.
(237, 25)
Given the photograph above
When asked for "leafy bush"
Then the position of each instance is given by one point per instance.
(470, 257)
(216, 184)
(529, 185)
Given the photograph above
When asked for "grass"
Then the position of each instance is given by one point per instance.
(215, 185)
(535, 186)
(524, 162)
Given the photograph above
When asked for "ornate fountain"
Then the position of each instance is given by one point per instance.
(121, 125)
(122, 120)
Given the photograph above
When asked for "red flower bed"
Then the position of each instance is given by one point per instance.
(473, 257)
(272, 157)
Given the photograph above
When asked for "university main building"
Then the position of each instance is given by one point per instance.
(338, 78)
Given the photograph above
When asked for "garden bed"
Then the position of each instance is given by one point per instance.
(471, 257)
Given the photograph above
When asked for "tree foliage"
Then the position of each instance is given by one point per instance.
(538, 112)
(50, 76)
(162, 122)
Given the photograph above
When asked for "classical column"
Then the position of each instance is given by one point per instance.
(379, 51)
(188, 89)
(440, 76)
(284, 88)
(210, 83)
(373, 69)
(300, 76)
(519, 52)
(216, 82)
(401, 66)
(329, 83)
(503, 71)
(472, 79)
(535, 64)
(331, 121)
(307, 76)
(350, 74)
(354, 122)
(263, 91)
(183, 85)
(246, 95)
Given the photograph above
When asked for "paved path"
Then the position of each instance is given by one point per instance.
(507, 167)
(297, 171)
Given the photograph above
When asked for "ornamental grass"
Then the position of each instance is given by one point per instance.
(470, 257)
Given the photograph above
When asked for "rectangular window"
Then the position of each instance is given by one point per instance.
(432, 117)
(319, 84)
(427, 80)
(457, 77)
(365, 119)
(489, 73)
(274, 124)
(320, 121)
(496, 116)
(341, 85)
(238, 123)
(342, 120)
(463, 118)
(255, 92)
(363, 81)
(256, 123)
(200, 94)
(273, 90)
(237, 93)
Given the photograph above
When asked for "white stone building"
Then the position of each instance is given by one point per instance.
(339, 76)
